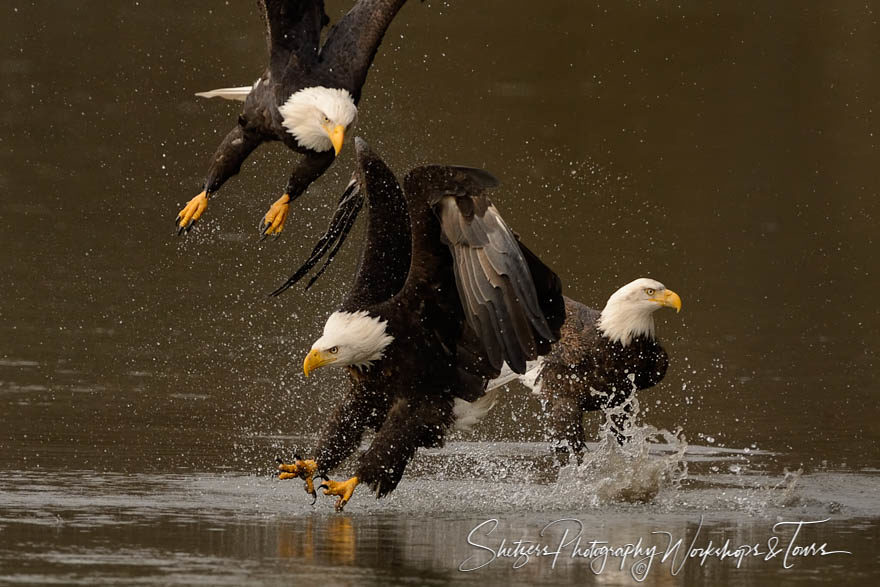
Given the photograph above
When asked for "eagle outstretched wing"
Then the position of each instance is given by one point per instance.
(384, 261)
(293, 31)
(352, 43)
(493, 274)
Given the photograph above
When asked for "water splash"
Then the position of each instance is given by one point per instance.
(785, 495)
(630, 473)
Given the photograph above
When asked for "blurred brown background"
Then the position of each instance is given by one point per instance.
(727, 149)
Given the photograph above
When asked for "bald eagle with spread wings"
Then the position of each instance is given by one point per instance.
(435, 312)
(306, 98)
(601, 358)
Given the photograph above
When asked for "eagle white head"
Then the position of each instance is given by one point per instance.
(630, 310)
(351, 339)
(319, 117)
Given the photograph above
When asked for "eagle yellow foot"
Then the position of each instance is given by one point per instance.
(304, 469)
(273, 222)
(191, 212)
(344, 489)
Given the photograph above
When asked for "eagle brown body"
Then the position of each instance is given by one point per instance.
(588, 371)
(446, 343)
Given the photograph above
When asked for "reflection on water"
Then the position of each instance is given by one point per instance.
(225, 528)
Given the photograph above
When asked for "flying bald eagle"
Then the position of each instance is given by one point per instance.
(307, 97)
(418, 336)
(600, 360)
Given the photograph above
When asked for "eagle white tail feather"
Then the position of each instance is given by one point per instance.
(533, 368)
(239, 94)
(469, 414)
(505, 377)
(530, 377)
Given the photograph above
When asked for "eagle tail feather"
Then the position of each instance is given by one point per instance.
(530, 378)
(240, 94)
(468, 414)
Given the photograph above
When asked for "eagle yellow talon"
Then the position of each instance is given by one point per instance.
(344, 489)
(192, 212)
(304, 469)
(273, 221)
(310, 487)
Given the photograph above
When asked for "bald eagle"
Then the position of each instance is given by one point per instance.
(600, 360)
(417, 337)
(307, 97)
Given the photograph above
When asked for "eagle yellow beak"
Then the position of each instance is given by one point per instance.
(337, 137)
(668, 299)
(316, 359)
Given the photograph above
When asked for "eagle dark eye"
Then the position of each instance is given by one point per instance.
(650, 291)
(333, 350)
(326, 119)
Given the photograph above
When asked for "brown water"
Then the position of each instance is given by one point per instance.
(147, 382)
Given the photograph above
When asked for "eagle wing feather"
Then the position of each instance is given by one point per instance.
(492, 273)
(293, 32)
(352, 43)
